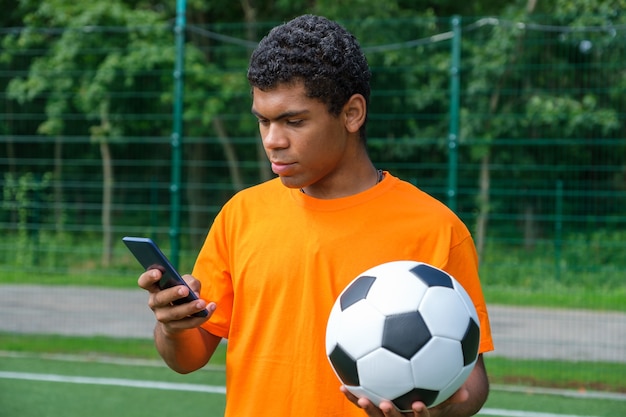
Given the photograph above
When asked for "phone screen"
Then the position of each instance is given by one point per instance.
(150, 256)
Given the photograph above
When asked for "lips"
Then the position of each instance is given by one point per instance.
(282, 168)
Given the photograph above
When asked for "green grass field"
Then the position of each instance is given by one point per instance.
(32, 386)
(100, 391)
(53, 376)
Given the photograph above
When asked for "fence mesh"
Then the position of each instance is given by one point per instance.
(528, 147)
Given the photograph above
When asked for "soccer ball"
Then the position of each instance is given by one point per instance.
(403, 331)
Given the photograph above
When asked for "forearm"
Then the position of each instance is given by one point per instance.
(477, 386)
(185, 351)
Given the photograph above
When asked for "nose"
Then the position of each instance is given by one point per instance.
(274, 137)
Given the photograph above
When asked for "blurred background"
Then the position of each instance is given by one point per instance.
(133, 118)
(515, 121)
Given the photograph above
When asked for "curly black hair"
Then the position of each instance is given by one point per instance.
(320, 53)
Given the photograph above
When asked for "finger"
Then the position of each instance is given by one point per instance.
(167, 296)
(389, 410)
(366, 405)
(193, 283)
(171, 327)
(350, 396)
(180, 316)
(370, 408)
(163, 304)
(149, 280)
(420, 409)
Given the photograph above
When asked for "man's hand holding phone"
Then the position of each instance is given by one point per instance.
(173, 299)
(179, 338)
(174, 316)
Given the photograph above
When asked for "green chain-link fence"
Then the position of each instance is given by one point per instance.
(519, 127)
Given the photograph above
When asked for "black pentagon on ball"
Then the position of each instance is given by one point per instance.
(405, 401)
(356, 291)
(470, 342)
(345, 366)
(405, 334)
(432, 276)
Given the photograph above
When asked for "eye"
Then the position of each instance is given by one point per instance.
(295, 122)
(263, 122)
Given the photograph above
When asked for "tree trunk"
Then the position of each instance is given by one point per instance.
(250, 16)
(57, 185)
(229, 153)
(107, 203)
(197, 174)
(530, 227)
(483, 204)
(485, 175)
(197, 198)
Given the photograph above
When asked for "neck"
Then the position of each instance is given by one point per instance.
(337, 188)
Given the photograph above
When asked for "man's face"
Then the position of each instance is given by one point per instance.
(305, 144)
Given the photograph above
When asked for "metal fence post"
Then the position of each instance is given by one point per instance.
(558, 229)
(453, 133)
(177, 134)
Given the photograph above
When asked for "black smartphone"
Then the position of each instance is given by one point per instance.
(150, 257)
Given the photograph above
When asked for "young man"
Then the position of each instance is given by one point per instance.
(279, 253)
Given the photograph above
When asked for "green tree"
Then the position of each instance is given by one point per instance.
(93, 64)
(77, 74)
(547, 104)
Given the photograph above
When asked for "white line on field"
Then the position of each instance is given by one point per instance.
(213, 389)
(516, 413)
(117, 382)
(599, 395)
(95, 358)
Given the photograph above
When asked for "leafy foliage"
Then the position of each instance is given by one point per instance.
(541, 107)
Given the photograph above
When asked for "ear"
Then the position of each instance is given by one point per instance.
(354, 112)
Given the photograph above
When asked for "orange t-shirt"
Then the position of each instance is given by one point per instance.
(275, 260)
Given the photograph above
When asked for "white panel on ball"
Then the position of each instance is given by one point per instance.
(362, 392)
(441, 309)
(388, 300)
(332, 328)
(471, 310)
(446, 354)
(386, 374)
(360, 329)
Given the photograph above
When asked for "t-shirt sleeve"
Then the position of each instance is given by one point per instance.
(212, 269)
(462, 264)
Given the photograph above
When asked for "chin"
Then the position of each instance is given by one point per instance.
(290, 182)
